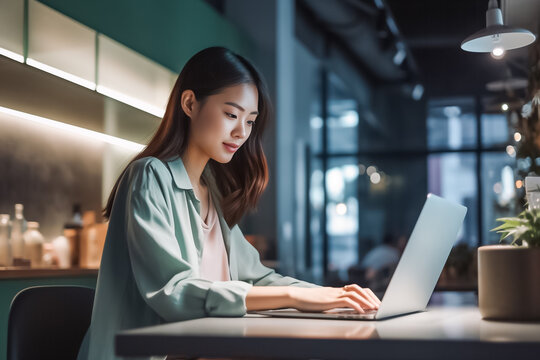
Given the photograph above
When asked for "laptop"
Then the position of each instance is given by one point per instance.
(417, 272)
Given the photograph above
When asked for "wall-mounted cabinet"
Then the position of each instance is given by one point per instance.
(58, 41)
(11, 26)
(64, 63)
(127, 73)
(59, 45)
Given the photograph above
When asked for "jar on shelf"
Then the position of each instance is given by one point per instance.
(62, 249)
(33, 244)
(72, 231)
(17, 230)
(5, 246)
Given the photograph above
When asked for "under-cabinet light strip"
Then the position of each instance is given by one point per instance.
(74, 129)
(11, 55)
(60, 73)
(154, 110)
(126, 99)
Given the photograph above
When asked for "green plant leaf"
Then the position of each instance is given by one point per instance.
(512, 219)
(508, 225)
(523, 229)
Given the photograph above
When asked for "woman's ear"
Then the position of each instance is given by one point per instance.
(188, 102)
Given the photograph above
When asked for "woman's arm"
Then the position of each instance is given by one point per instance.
(274, 291)
(268, 297)
(310, 299)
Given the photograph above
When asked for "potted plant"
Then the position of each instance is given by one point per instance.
(509, 273)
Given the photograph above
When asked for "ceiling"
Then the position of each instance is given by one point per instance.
(431, 30)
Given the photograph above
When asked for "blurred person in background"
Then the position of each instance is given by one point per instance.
(381, 261)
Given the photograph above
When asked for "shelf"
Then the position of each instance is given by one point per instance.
(13, 272)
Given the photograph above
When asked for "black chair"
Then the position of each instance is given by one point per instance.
(48, 322)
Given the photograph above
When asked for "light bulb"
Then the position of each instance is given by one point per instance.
(511, 151)
(341, 209)
(497, 52)
(375, 178)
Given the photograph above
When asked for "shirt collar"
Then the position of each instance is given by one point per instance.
(179, 173)
(181, 179)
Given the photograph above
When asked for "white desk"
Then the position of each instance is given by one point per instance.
(439, 333)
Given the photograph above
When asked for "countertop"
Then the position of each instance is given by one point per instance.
(19, 272)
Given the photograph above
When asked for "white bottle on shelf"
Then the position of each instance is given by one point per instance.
(5, 247)
(33, 244)
(17, 230)
(63, 252)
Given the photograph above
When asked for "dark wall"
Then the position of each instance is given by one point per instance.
(47, 170)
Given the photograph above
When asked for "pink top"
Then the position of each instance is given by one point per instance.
(214, 262)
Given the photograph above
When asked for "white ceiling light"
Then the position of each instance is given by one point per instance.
(498, 53)
(400, 53)
(497, 37)
(417, 92)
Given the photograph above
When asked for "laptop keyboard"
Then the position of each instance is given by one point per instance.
(353, 312)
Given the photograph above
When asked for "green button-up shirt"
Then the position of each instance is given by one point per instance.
(149, 272)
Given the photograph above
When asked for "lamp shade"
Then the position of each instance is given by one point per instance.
(496, 34)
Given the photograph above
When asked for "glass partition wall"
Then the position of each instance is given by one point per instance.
(370, 168)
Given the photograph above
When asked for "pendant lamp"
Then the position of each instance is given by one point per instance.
(497, 37)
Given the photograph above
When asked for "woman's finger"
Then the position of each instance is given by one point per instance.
(364, 293)
(373, 295)
(360, 299)
(370, 293)
(347, 302)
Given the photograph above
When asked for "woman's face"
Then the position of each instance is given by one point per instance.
(224, 118)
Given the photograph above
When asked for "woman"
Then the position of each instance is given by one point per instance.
(174, 250)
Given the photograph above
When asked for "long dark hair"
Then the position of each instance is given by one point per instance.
(241, 181)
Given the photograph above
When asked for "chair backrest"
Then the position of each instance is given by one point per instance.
(49, 322)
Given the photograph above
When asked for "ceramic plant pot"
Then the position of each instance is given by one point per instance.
(509, 282)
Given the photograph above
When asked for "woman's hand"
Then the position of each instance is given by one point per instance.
(325, 298)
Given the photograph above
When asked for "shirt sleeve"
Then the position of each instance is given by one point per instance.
(163, 275)
(253, 271)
